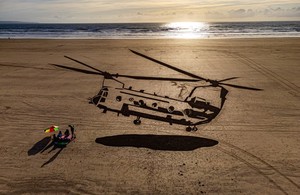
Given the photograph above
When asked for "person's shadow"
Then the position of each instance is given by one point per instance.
(40, 146)
(53, 157)
(43, 145)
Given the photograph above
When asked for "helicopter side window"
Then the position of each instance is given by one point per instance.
(197, 102)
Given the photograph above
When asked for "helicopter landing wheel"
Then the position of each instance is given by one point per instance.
(195, 128)
(188, 129)
(137, 121)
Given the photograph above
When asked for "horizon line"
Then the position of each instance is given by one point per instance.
(24, 22)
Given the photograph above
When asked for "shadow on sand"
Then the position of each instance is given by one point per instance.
(39, 146)
(43, 145)
(157, 142)
(53, 157)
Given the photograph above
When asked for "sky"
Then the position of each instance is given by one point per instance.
(124, 11)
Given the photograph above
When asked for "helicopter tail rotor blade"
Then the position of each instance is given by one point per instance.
(76, 69)
(82, 63)
(241, 87)
(168, 65)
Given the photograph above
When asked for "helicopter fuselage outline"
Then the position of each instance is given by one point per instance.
(189, 112)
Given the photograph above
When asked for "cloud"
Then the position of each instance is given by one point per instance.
(280, 12)
(147, 11)
(258, 14)
(168, 13)
(241, 13)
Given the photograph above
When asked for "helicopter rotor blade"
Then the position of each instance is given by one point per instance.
(125, 76)
(82, 63)
(241, 87)
(197, 78)
(169, 66)
(155, 78)
(231, 78)
(77, 69)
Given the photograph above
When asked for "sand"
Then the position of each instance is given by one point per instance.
(251, 147)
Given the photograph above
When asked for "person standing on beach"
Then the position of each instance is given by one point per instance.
(67, 133)
(59, 134)
(72, 129)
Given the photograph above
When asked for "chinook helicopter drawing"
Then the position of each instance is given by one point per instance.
(190, 111)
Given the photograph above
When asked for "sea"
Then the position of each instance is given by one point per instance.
(175, 30)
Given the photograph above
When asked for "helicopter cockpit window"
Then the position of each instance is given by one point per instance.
(103, 94)
(96, 100)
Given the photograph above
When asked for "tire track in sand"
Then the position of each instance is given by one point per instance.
(291, 87)
(263, 168)
(273, 175)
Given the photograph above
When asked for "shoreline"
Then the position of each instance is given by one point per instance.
(146, 39)
(156, 38)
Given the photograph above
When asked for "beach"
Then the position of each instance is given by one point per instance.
(250, 147)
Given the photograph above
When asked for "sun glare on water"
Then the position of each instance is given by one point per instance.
(187, 30)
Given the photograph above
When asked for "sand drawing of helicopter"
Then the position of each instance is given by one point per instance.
(191, 111)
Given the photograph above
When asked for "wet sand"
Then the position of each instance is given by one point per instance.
(251, 147)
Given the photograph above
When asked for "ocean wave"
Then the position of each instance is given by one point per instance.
(150, 30)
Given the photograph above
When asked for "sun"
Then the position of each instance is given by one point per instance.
(187, 30)
(189, 26)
